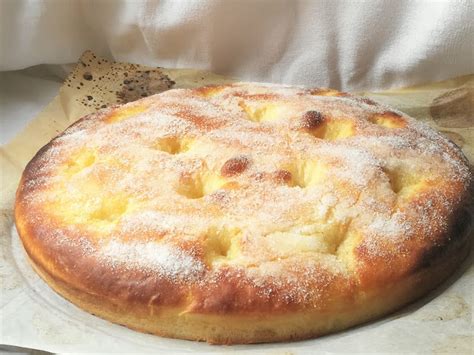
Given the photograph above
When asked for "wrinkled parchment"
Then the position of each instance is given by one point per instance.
(33, 316)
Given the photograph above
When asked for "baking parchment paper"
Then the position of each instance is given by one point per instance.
(33, 316)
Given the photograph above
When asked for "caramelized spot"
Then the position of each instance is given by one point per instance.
(200, 121)
(235, 166)
(312, 119)
(327, 92)
(231, 185)
(210, 90)
(123, 113)
(257, 97)
(282, 177)
(388, 119)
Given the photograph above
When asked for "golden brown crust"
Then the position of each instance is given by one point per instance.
(211, 214)
(258, 328)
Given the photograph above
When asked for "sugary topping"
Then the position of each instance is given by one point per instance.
(169, 261)
(250, 175)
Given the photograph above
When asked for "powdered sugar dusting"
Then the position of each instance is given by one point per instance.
(393, 226)
(168, 260)
(149, 180)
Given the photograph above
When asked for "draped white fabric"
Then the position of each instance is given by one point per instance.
(348, 45)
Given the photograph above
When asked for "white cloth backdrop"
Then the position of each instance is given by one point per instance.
(348, 45)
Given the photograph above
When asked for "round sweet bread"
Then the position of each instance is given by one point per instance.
(245, 213)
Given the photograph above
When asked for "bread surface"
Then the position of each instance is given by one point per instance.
(245, 213)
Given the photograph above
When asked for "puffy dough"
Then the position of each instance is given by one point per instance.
(245, 213)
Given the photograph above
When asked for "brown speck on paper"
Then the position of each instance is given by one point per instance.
(87, 76)
(103, 87)
(142, 84)
(97, 83)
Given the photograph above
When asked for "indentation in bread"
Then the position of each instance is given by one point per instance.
(173, 145)
(388, 119)
(199, 184)
(263, 112)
